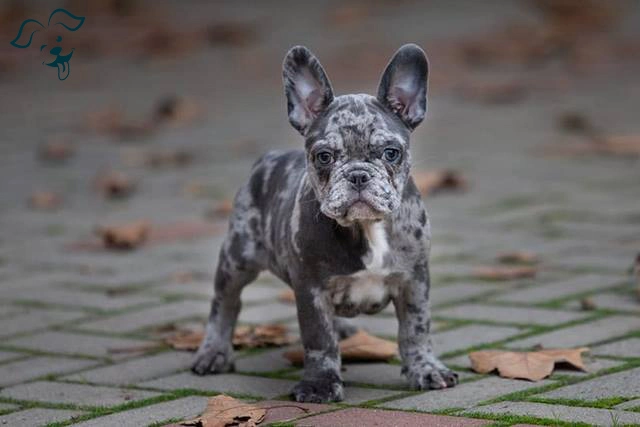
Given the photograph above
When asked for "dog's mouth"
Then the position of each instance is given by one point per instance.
(362, 210)
(62, 63)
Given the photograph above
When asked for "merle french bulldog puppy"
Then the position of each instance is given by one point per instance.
(341, 222)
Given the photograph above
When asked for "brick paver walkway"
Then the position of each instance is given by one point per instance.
(79, 324)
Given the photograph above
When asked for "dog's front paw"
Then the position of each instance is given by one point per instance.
(212, 360)
(318, 391)
(430, 377)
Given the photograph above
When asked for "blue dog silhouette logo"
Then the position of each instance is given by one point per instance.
(60, 17)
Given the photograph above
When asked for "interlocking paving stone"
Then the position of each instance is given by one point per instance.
(583, 334)
(520, 315)
(72, 343)
(76, 299)
(24, 370)
(7, 406)
(626, 348)
(8, 355)
(185, 408)
(463, 395)
(37, 417)
(271, 360)
(380, 374)
(151, 316)
(377, 325)
(560, 289)
(571, 414)
(224, 383)
(357, 417)
(631, 404)
(34, 319)
(620, 384)
(460, 291)
(468, 336)
(255, 292)
(136, 370)
(613, 301)
(358, 395)
(267, 313)
(77, 394)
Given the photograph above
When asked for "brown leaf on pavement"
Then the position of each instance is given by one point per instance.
(125, 236)
(360, 347)
(433, 182)
(533, 366)
(56, 150)
(244, 337)
(225, 411)
(45, 201)
(587, 304)
(287, 296)
(112, 121)
(114, 185)
(518, 257)
(504, 272)
(176, 111)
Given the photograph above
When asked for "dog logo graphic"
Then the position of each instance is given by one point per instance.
(60, 17)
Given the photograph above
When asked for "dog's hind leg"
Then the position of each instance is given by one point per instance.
(239, 264)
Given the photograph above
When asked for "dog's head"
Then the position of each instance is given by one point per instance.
(357, 145)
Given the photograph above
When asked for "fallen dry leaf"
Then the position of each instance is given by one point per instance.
(533, 365)
(114, 185)
(221, 209)
(56, 150)
(433, 182)
(518, 257)
(176, 111)
(125, 236)
(168, 158)
(244, 337)
(359, 347)
(287, 296)
(574, 122)
(225, 411)
(504, 272)
(587, 304)
(45, 201)
(112, 121)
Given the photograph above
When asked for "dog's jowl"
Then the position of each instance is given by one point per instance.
(341, 222)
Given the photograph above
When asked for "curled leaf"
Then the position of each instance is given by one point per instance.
(244, 337)
(439, 181)
(124, 237)
(115, 185)
(225, 411)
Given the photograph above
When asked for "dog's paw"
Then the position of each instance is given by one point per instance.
(429, 377)
(212, 361)
(319, 391)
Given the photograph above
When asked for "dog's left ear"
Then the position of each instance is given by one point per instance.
(306, 86)
(403, 86)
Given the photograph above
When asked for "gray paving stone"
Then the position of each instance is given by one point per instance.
(472, 335)
(266, 361)
(37, 417)
(76, 299)
(571, 414)
(224, 383)
(267, 313)
(614, 301)
(359, 395)
(81, 344)
(136, 370)
(8, 355)
(35, 319)
(7, 407)
(463, 395)
(257, 292)
(459, 291)
(386, 326)
(620, 384)
(379, 374)
(560, 289)
(151, 316)
(519, 315)
(583, 334)
(185, 408)
(626, 348)
(198, 288)
(630, 404)
(77, 394)
(34, 367)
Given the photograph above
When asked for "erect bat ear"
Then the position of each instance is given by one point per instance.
(25, 34)
(403, 86)
(66, 19)
(306, 86)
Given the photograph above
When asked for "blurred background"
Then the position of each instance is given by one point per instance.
(532, 125)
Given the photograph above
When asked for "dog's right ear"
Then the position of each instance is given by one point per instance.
(306, 86)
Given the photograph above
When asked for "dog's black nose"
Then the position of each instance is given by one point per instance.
(359, 178)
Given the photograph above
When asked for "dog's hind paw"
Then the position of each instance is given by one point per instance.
(212, 361)
(319, 391)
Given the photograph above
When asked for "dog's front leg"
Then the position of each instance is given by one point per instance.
(419, 363)
(321, 381)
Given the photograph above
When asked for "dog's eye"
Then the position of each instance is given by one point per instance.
(324, 157)
(391, 154)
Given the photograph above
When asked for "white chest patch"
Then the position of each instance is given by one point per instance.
(378, 246)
